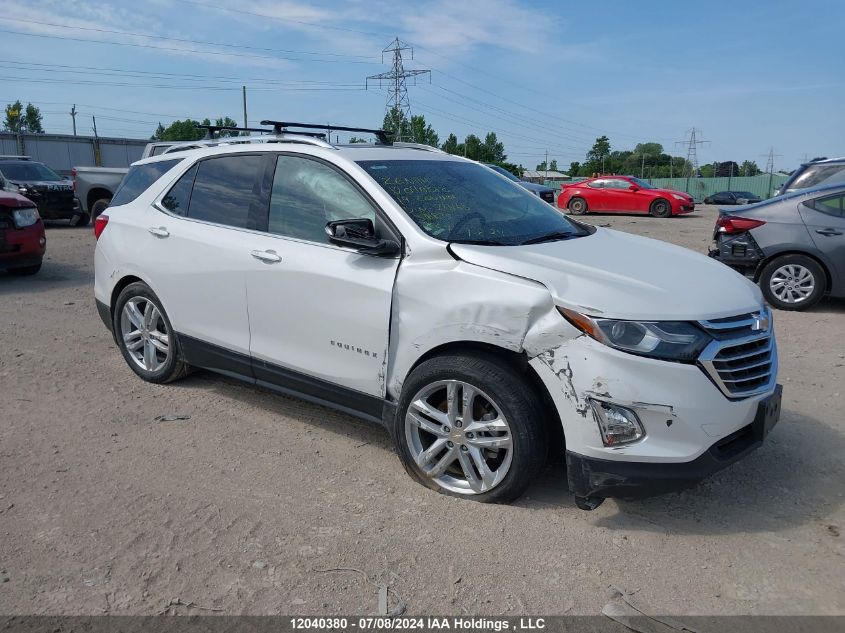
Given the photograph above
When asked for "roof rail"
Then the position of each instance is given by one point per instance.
(307, 139)
(280, 127)
(422, 146)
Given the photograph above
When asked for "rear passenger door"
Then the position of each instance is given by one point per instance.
(825, 220)
(198, 253)
(319, 313)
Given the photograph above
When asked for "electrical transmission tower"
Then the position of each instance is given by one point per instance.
(692, 143)
(770, 160)
(398, 107)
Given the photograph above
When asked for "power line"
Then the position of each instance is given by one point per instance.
(188, 41)
(178, 50)
(105, 71)
(177, 86)
(323, 26)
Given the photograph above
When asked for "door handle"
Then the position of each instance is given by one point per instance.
(828, 232)
(159, 231)
(268, 257)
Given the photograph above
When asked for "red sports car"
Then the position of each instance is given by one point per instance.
(623, 194)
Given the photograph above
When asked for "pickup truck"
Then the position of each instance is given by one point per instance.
(95, 186)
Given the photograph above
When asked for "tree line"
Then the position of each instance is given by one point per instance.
(649, 160)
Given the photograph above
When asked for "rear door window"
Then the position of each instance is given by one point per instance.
(138, 179)
(226, 191)
(833, 205)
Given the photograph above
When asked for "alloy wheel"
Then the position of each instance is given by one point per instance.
(792, 283)
(145, 334)
(458, 436)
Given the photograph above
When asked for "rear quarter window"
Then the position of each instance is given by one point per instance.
(138, 179)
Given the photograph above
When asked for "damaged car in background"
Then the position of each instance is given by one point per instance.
(423, 291)
(793, 246)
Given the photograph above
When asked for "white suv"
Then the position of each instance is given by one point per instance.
(429, 293)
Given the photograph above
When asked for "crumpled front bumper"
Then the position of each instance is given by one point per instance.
(592, 477)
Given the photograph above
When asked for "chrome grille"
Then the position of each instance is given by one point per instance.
(742, 358)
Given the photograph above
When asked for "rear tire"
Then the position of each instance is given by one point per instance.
(489, 452)
(793, 282)
(80, 219)
(578, 206)
(145, 336)
(99, 206)
(660, 208)
(25, 270)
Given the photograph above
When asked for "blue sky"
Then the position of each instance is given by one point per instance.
(543, 75)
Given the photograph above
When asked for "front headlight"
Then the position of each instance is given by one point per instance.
(667, 340)
(678, 196)
(24, 217)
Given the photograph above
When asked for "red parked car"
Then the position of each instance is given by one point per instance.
(22, 239)
(623, 194)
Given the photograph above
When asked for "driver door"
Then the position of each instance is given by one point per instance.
(319, 313)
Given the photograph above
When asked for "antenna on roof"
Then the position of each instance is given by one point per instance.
(280, 127)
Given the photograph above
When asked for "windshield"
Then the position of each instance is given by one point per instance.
(24, 171)
(642, 184)
(456, 201)
(504, 172)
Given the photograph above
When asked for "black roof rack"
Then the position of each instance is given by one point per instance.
(210, 130)
(384, 137)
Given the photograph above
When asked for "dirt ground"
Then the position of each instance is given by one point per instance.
(264, 504)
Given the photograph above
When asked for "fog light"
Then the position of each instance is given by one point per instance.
(617, 425)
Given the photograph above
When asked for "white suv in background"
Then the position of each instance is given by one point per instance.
(426, 292)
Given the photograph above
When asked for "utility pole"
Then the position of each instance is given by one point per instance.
(547, 163)
(398, 107)
(246, 123)
(642, 167)
(97, 158)
(73, 116)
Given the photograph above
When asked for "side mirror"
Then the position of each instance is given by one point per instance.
(360, 234)
(634, 188)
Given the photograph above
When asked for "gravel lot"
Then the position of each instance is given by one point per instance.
(264, 504)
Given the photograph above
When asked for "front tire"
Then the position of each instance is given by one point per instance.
(660, 208)
(793, 282)
(25, 270)
(145, 336)
(80, 219)
(470, 426)
(577, 206)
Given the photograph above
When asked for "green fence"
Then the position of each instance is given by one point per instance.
(699, 188)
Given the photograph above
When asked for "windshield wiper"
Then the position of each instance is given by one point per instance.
(549, 237)
(480, 242)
